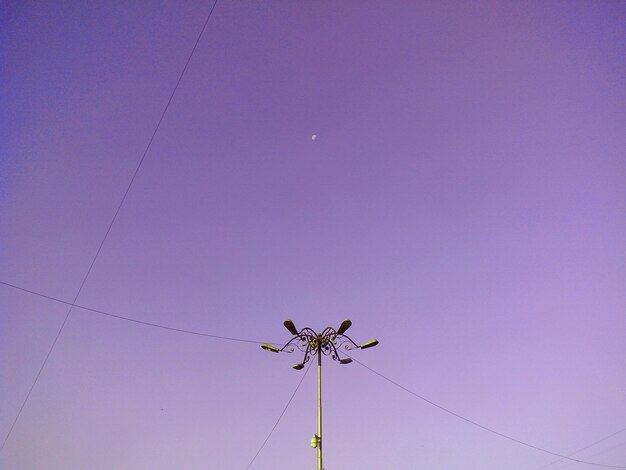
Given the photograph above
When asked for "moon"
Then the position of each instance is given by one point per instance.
(314, 137)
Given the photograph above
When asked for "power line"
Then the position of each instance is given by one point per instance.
(493, 431)
(603, 451)
(133, 320)
(227, 338)
(119, 207)
(584, 448)
(280, 417)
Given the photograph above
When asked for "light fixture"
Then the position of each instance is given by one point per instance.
(329, 342)
(344, 327)
(370, 344)
(291, 327)
(269, 347)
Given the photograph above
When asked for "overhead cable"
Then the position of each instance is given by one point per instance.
(486, 428)
(603, 451)
(279, 418)
(584, 448)
(133, 320)
(119, 207)
(470, 421)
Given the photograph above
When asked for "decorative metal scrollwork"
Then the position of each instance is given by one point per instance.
(329, 342)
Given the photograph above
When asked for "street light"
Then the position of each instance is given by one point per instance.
(329, 342)
(369, 344)
(270, 347)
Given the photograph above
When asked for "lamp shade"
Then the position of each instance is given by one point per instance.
(291, 327)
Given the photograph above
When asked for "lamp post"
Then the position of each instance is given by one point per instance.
(329, 342)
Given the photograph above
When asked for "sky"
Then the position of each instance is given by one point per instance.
(463, 202)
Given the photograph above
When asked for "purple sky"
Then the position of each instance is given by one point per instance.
(464, 202)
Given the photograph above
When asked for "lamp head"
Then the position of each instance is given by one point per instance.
(344, 327)
(270, 347)
(291, 327)
(369, 344)
(347, 360)
(298, 366)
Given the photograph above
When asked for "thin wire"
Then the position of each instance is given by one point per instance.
(603, 451)
(584, 448)
(493, 431)
(197, 333)
(279, 418)
(133, 320)
(93, 261)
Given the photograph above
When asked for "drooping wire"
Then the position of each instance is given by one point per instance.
(279, 417)
(583, 448)
(133, 320)
(197, 333)
(119, 207)
(488, 429)
(603, 451)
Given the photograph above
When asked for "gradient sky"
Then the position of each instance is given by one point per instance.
(464, 202)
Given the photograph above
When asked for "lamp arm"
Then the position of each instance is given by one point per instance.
(302, 341)
(289, 343)
(334, 353)
(347, 339)
(329, 332)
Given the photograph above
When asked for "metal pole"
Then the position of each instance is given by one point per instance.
(319, 406)
(310, 342)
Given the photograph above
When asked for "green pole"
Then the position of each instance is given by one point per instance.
(319, 406)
